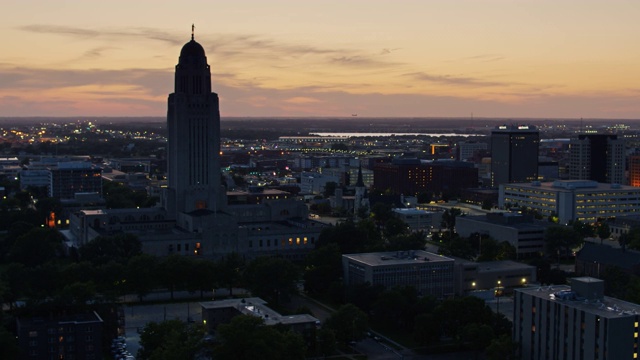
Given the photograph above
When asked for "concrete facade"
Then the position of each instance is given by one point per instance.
(429, 273)
(574, 322)
(582, 200)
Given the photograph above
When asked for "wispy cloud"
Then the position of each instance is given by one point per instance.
(454, 80)
(113, 34)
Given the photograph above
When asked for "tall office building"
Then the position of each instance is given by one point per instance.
(514, 154)
(634, 170)
(598, 157)
(193, 123)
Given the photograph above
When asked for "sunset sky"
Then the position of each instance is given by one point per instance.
(417, 58)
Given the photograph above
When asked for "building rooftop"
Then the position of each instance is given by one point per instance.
(397, 257)
(604, 306)
(574, 185)
(257, 307)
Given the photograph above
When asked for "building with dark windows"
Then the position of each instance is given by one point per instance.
(196, 217)
(69, 178)
(514, 154)
(597, 157)
(574, 322)
(522, 232)
(412, 177)
(634, 170)
(76, 336)
(429, 273)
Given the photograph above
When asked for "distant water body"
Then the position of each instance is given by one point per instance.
(363, 134)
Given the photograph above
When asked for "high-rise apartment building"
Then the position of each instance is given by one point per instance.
(514, 154)
(576, 322)
(598, 157)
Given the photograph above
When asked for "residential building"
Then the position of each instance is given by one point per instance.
(76, 336)
(574, 322)
(69, 178)
(597, 157)
(514, 154)
(583, 200)
(429, 273)
(410, 176)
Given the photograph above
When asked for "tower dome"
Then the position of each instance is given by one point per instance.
(192, 49)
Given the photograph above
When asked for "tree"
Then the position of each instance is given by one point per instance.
(395, 226)
(424, 198)
(348, 323)
(603, 230)
(502, 348)
(477, 336)
(103, 249)
(37, 247)
(8, 345)
(170, 339)
(246, 337)
(584, 229)
(330, 188)
(230, 270)
(487, 204)
(449, 218)
(174, 270)
(202, 276)
(141, 274)
(322, 266)
(560, 240)
(272, 279)
(426, 329)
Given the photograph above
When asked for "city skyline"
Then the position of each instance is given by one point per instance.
(286, 58)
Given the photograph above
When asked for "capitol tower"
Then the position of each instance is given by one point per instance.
(193, 124)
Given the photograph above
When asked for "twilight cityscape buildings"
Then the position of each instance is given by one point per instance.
(201, 213)
(514, 154)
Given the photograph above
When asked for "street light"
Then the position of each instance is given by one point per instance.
(498, 294)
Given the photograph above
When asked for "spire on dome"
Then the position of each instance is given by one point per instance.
(193, 28)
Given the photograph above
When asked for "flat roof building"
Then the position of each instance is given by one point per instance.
(429, 273)
(574, 322)
(583, 200)
(522, 232)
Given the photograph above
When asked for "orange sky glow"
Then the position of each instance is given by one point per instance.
(418, 58)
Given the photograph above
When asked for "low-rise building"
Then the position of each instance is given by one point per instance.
(77, 336)
(429, 273)
(521, 231)
(506, 274)
(574, 322)
(215, 313)
(418, 219)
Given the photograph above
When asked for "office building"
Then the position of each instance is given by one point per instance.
(412, 177)
(574, 322)
(569, 200)
(429, 273)
(468, 149)
(514, 154)
(634, 170)
(597, 157)
(69, 178)
(521, 231)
